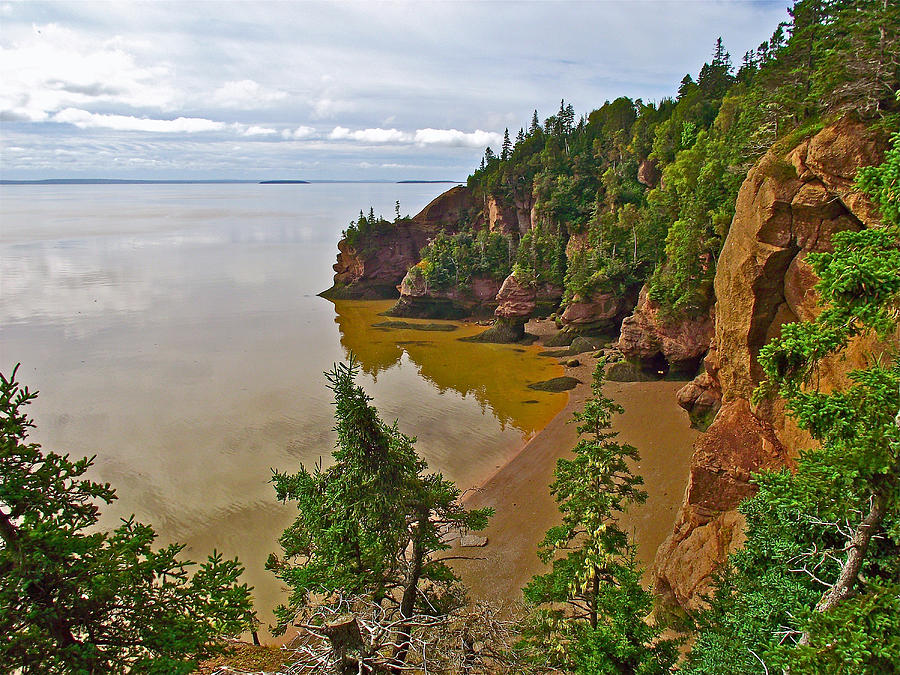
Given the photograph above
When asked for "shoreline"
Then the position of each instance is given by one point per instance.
(519, 490)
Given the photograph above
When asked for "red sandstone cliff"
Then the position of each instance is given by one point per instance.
(375, 268)
(788, 206)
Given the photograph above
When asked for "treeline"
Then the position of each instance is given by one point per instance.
(644, 192)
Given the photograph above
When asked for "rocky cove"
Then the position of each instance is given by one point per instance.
(791, 202)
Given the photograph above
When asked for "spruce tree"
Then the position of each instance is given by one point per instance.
(368, 526)
(591, 613)
(78, 599)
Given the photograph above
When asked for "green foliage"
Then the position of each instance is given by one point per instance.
(541, 257)
(453, 260)
(815, 589)
(368, 526)
(360, 233)
(76, 599)
(591, 610)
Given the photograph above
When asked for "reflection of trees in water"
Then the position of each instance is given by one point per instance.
(495, 375)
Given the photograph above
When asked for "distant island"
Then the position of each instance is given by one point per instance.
(115, 181)
(126, 181)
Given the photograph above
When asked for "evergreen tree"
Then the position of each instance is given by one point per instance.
(369, 525)
(76, 599)
(535, 124)
(592, 610)
(506, 149)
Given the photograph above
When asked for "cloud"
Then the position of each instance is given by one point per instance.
(298, 134)
(422, 137)
(53, 67)
(255, 130)
(88, 120)
(373, 136)
(456, 138)
(246, 95)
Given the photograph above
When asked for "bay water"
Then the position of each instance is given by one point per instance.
(174, 331)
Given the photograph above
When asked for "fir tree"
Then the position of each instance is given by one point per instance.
(592, 611)
(77, 599)
(369, 525)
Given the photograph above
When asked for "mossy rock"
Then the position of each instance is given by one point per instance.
(561, 339)
(502, 332)
(405, 325)
(557, 384)
(625, 371)
(426, 309)
(582, 344)
(572, 363)
(554, 353)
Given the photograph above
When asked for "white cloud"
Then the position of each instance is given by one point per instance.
(255, 130)
(88, 120)
(422, 137)
(456, 138)
(54, 67)
(299, 133)
(374, 136)
(246, 95)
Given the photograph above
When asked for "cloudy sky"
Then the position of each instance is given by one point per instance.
(327, 90)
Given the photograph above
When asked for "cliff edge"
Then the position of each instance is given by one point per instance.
(790, 205)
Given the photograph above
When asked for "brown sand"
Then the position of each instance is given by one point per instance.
(525, 509)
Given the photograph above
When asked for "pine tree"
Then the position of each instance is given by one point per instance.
(535, 124)
(77, 599)
(506, 148)
(369, 525)
(591, 608)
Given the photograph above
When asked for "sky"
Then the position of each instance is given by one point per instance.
(327, 91)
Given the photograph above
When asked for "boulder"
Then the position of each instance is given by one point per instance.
(472, 540)
(647, 337)
(602, 312)
(701, 398)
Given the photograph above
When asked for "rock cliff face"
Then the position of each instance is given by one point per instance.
(600, 313)
(417, 299)
(787, 207)
(647, 338)
(375, 268)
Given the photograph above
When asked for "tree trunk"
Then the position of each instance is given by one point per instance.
(856, 554)
(408, 602)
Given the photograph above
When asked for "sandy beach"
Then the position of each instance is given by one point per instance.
(524, 507)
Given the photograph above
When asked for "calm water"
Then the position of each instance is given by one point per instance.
(174, 331)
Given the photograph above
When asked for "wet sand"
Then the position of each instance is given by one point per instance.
(525, 509)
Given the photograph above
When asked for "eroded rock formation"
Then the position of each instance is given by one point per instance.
(374, 269)
(418, 299)
(647, 338)
(600, 313)
(788, 207)
(515, 304)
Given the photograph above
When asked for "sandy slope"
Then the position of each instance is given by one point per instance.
(519, 492)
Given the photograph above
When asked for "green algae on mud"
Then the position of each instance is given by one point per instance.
(492, 373)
